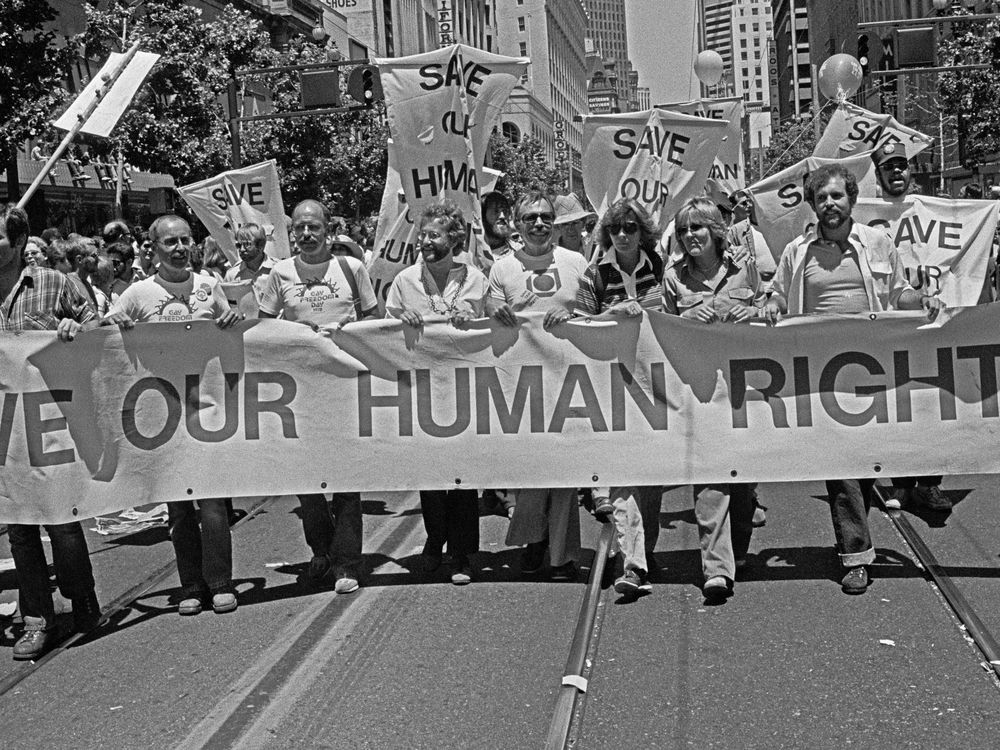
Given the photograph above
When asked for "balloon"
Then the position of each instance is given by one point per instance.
(840, 77)
(708, 67)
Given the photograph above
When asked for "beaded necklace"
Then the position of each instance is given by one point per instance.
(432, 298)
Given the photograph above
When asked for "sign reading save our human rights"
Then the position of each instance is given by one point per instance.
(173, 411)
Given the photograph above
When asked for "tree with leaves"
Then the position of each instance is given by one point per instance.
(32, 67)
(524, 165)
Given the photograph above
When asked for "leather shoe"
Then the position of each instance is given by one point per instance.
(33, 643)
(224, 602)
(190, 606)
(717, 587)
(856, 581)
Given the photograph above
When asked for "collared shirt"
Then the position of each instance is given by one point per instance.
(601, 288)
(879, 263)
(739, 286)
(42, 297)
(415, 289)
(242, 272)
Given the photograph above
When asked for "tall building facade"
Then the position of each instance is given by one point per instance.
(716, 34)
(791, 46)
(607, 28)
(554, 90)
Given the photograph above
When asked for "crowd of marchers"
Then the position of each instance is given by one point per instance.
(547, 254)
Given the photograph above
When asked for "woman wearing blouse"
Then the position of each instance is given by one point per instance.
(440, 286)
(708, 286)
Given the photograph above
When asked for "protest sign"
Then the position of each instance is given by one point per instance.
(853, 130)
(241, 196)
(945, 244)
(657, 157)
(442, 106)
(780, 206)
(728, 173)
(114, 103)
(170, 411)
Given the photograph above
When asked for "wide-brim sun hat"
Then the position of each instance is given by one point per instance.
(569, 209)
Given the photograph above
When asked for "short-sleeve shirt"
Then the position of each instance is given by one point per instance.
(739, 286)
(155, 300)
(316, 292)
(415, 289)
(242, 272)
(605, 284)
(537, 282)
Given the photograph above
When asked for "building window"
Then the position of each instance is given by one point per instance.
(522, 49)
(520, 23)
(511, 132)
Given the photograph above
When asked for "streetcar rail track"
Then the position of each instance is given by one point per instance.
(118, 604)
(974, 626)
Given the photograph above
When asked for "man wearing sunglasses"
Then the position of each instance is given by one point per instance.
(540, 277)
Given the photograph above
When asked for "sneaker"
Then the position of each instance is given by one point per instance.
(189, 606)
(759, 516)
(603, 507)
(461, 572)
(532, 558)
(564, 572)
(896, 498)
(35, 640)
(86, 613)
(856, 581)
(224, 602)
(717, 587)
(931, 498)
(633, 582)
(319, 566)
(347, 583)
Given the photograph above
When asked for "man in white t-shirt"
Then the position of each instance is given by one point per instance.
(175, 294)
(318, 288)
(540, 276)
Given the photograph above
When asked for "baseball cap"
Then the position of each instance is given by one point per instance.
(888, 152)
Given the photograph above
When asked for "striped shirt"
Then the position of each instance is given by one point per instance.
(40, 299)
(604, 284)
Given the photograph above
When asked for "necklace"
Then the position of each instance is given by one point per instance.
(438, 303)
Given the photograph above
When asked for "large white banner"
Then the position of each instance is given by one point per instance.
(241, 196)
(853, 130)
(175, 411)
(115, 101)
(442, 106)
(945, 244)
(780, 203)
(659, 158)
(728, 173)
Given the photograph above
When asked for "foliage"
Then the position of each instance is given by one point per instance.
(790, 143)
(31, 67)
(972, 96)
(524, 165)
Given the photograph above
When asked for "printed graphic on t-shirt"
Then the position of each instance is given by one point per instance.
(317, 291)
(544, 283)
(176, 309)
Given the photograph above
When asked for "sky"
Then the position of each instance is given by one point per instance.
(661, 44)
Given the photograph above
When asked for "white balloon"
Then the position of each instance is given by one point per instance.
(708, 67)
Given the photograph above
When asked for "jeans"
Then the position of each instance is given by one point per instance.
(850, 500)
(451, 517)
(71, 560)
(204, 555)
(725, 523)
(637, 523)
(339, 536)
(547, 513)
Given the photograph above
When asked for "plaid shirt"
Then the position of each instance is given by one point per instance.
(40, 299)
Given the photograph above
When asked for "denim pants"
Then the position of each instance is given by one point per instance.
(70, 557)
(725, 523)
(451, 517)
(637, 523)
(337, 536)
(850, 500)
(551, 514)
(204, 555)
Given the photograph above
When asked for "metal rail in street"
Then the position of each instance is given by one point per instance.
(985, 641)
(117, 605)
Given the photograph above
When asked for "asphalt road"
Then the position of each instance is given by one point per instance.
(411, 661)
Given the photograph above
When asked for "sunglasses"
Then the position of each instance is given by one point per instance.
(690, 228)
(629, 227)
(546, 218)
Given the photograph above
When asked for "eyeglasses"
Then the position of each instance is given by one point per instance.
(690, 228)
(546, 218)
(629, 227)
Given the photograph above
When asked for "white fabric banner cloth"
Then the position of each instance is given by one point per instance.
(853, 130)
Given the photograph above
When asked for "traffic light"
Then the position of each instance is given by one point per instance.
(863, 54)
(995, 54)
(364, 84)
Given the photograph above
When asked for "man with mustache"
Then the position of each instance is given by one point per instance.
(841, 266)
